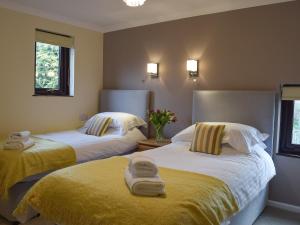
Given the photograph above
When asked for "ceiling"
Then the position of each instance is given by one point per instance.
(111, 15)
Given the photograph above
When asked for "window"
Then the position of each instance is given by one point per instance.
(290, 120)
(296, 124)
(52, 64)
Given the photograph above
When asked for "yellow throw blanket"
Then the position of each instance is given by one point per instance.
(45, 155)
(95, 193)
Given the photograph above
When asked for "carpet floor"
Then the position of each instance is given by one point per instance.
(274, 216)
(270, 216)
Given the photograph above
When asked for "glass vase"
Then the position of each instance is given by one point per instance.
(159, 136)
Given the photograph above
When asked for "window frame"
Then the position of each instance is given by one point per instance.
(64, 75)
(286, 129)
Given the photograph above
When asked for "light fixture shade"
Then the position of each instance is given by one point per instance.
(152, 69)
(134, 3)
(192, 68)
(192, 65)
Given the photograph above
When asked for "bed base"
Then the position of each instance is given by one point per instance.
(251, 212)
(7, 206)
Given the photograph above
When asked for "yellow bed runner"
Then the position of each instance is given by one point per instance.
(45, 155)
(95, 193)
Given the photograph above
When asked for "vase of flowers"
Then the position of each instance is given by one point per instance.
(159, 119)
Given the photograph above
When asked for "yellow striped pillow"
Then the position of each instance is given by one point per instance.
(207, 138)
(99, 126)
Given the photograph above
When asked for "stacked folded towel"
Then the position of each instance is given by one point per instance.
(142, 177)
(19, 141)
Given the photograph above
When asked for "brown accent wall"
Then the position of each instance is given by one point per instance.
(249, 49)
(256, 48)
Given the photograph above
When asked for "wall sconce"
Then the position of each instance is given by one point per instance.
(192, 68)
(152, 69)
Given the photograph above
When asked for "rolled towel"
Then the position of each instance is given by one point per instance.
(146, 186)
(18, 145)
(142, 166)
(19, 135)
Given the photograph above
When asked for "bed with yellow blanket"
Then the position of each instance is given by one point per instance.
(95, 193)
(44, 156)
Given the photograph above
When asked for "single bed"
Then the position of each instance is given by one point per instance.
(88, 147)
(255, 108)
(247, 176)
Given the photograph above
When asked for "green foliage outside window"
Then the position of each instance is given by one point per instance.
(47, 66)
(296, 125)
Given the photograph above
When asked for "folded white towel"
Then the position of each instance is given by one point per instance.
(18, 145)
(146, 186)
(142, 166)
(21, 134)
(16, 138)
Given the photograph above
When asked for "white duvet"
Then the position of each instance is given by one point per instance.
(246, 175)
(89, 147)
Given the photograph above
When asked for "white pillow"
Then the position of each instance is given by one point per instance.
(134, 134)
(121, 121)
(241, 137)
(185, 135)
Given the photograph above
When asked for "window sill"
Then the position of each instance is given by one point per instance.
(288, 155)
(68, 96)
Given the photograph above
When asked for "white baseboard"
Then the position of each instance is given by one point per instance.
(284, 206)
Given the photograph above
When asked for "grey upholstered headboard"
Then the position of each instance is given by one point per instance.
(135, 102)
(254, 108)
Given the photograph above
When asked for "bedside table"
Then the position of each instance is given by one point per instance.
(150, 144)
